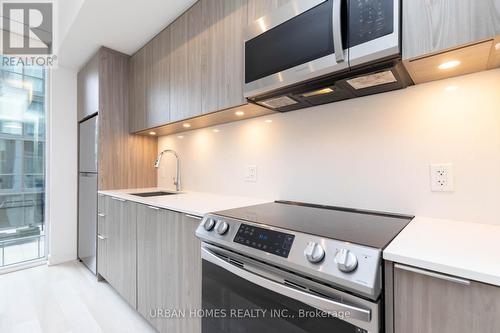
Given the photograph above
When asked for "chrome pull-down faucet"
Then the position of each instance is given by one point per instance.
(177, 179)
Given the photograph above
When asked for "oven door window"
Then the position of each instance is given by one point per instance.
(250, 308)
(304, 38)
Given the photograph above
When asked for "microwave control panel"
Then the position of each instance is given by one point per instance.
(369, 20)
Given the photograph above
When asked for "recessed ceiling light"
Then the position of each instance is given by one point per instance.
(186, 125)
(497, 46)
(152, 133)
(180, 137)
(268, 121)
(449, 64)
(451, 88)
(215, 130)
(239, 113)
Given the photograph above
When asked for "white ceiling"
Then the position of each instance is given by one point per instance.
(122, 25)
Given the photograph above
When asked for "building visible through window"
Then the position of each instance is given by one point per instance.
(22, 163)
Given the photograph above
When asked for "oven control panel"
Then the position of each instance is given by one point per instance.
(354, 267)
(270, 241)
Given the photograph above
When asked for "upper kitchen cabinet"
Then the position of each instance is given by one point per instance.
(435, 25)
(186, 35)
(222, 81)
(88, 88)
(194, 68)
(157, 80)
(149, 95)
(137, 91)
(446, 38)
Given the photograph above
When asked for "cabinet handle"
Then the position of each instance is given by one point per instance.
(193, 216)
(152, 207)
(433, 274)
(101, 237)
(337, 31)
(101, 215)
(118, 199)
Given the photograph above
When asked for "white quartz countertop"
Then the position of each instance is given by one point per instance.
(195, 203)
(463, 249)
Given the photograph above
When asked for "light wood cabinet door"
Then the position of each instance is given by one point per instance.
(137, 91)
(169, 268)
(158, 80)
(102, 235)
(433, 25)
(122, 248)
(88, 88)
(438, 304)
(190, 271)
(185, 63)
(125, 161)
(222, 69)
(158, 261)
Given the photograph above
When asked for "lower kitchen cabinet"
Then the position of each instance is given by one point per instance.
(102, 232)
(191, 264)
(169, 268)
(428, 302)
(117, 247)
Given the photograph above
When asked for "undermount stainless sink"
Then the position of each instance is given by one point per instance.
(154, 194)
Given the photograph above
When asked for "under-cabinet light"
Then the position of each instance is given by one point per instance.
(449, 64)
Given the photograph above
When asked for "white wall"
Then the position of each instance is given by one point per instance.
(62, 182)
(371, 152)
(66, 13)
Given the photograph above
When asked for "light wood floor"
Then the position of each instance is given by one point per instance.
(63, 298)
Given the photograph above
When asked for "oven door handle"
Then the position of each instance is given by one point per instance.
(321, 303)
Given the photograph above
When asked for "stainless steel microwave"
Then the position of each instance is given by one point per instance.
(307, 40)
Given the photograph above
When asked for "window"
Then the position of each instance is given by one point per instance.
(22, 163)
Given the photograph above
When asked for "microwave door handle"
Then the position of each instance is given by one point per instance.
(321, 303)
(337, 30)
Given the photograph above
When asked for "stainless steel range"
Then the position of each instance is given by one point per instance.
(293, 267)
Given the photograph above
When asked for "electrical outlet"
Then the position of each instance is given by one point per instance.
(441, 177)
(251, 173)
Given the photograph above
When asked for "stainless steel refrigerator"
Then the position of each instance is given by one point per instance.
(87, 192)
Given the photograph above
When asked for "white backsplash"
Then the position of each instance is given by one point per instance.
(372, 152)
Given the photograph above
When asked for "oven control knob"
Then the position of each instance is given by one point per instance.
(221, 227)
(209, 224)
(346, 260)
(314, 252)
